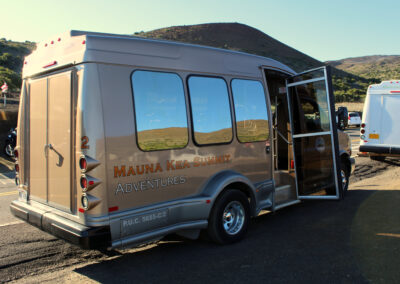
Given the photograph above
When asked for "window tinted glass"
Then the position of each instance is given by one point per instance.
(251, 110)
(160, 110)
(211, 113)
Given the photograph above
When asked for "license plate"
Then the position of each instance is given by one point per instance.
(374, 136)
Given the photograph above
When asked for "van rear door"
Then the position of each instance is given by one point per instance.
(314, 134)
(50, 136)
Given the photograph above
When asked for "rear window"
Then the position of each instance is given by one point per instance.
(354, 114)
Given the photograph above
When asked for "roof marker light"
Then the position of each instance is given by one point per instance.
(45, 45)
(395, 92)
(50, 64)
(52, 42)
(59, 39)
(84, 42)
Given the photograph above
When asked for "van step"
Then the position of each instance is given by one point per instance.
(284, 194)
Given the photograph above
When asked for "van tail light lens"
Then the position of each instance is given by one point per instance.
(17, 168)
(362, 131)
(87, 164)
(88, 182)
(363, 125)
(292, 164)
(16, 154)
(83, 164)
(89, 201)
(84, 183)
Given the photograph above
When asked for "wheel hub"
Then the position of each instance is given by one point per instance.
(233, 217)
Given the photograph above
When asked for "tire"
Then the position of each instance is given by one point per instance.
(229, 217)
(344, 176)
(9, 150)
(377, 158)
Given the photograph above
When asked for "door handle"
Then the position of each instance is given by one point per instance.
(47, 146)
(267, 149)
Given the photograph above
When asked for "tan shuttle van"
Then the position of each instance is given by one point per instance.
(123, 140)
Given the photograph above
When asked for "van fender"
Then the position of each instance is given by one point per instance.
(229, 179)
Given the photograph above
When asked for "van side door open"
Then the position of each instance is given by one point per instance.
(314, 134)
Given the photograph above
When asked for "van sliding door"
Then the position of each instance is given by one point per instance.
(314, 134)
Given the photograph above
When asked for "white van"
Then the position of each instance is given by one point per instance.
(123, 140)
(380, 127)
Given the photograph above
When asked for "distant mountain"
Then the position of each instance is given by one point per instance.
(239, 37)
(378, 67)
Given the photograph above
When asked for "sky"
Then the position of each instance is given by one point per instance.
(323, 29)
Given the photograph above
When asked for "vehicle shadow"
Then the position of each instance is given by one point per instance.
(350, 241)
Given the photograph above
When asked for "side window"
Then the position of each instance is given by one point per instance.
(251, 110)
(160, 110)
(212, 122)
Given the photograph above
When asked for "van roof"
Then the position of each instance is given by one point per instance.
(76, 47)
(385, 87)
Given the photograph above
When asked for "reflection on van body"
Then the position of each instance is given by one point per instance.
(159, 137)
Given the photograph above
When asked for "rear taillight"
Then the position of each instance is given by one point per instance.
(87, 183)
(16, 155)
(362, 131)
(84, 183)
(349, 117)
(17, 168)
(83, 164)
(363, 125)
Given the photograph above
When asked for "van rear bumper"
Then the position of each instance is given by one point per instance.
(380, 149)
(75, 233)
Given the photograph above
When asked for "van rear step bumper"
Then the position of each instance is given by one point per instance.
(77, 234)
(380, 149)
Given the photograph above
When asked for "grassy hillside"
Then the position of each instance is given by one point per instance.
(243, 38)
(11, 60)
(376, 67)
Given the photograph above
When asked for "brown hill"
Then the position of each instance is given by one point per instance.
(237, 37)
(380, 67)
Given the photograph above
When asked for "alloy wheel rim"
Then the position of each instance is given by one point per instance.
(233, 217)
(344, 178)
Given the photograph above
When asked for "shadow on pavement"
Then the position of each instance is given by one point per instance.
(351, 241)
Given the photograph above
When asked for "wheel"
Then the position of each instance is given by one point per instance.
(345, 176)
(229, 217)
(8, 149)
(377, 158)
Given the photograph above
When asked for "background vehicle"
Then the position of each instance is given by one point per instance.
(10, 142)
(354, 119)
(124, 140)
(380, 128)
(342, 118)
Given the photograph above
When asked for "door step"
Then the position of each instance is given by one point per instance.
(284, 194)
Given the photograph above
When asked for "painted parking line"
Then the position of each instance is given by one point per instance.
(11, 223)
(355, 140)
(8, 193)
